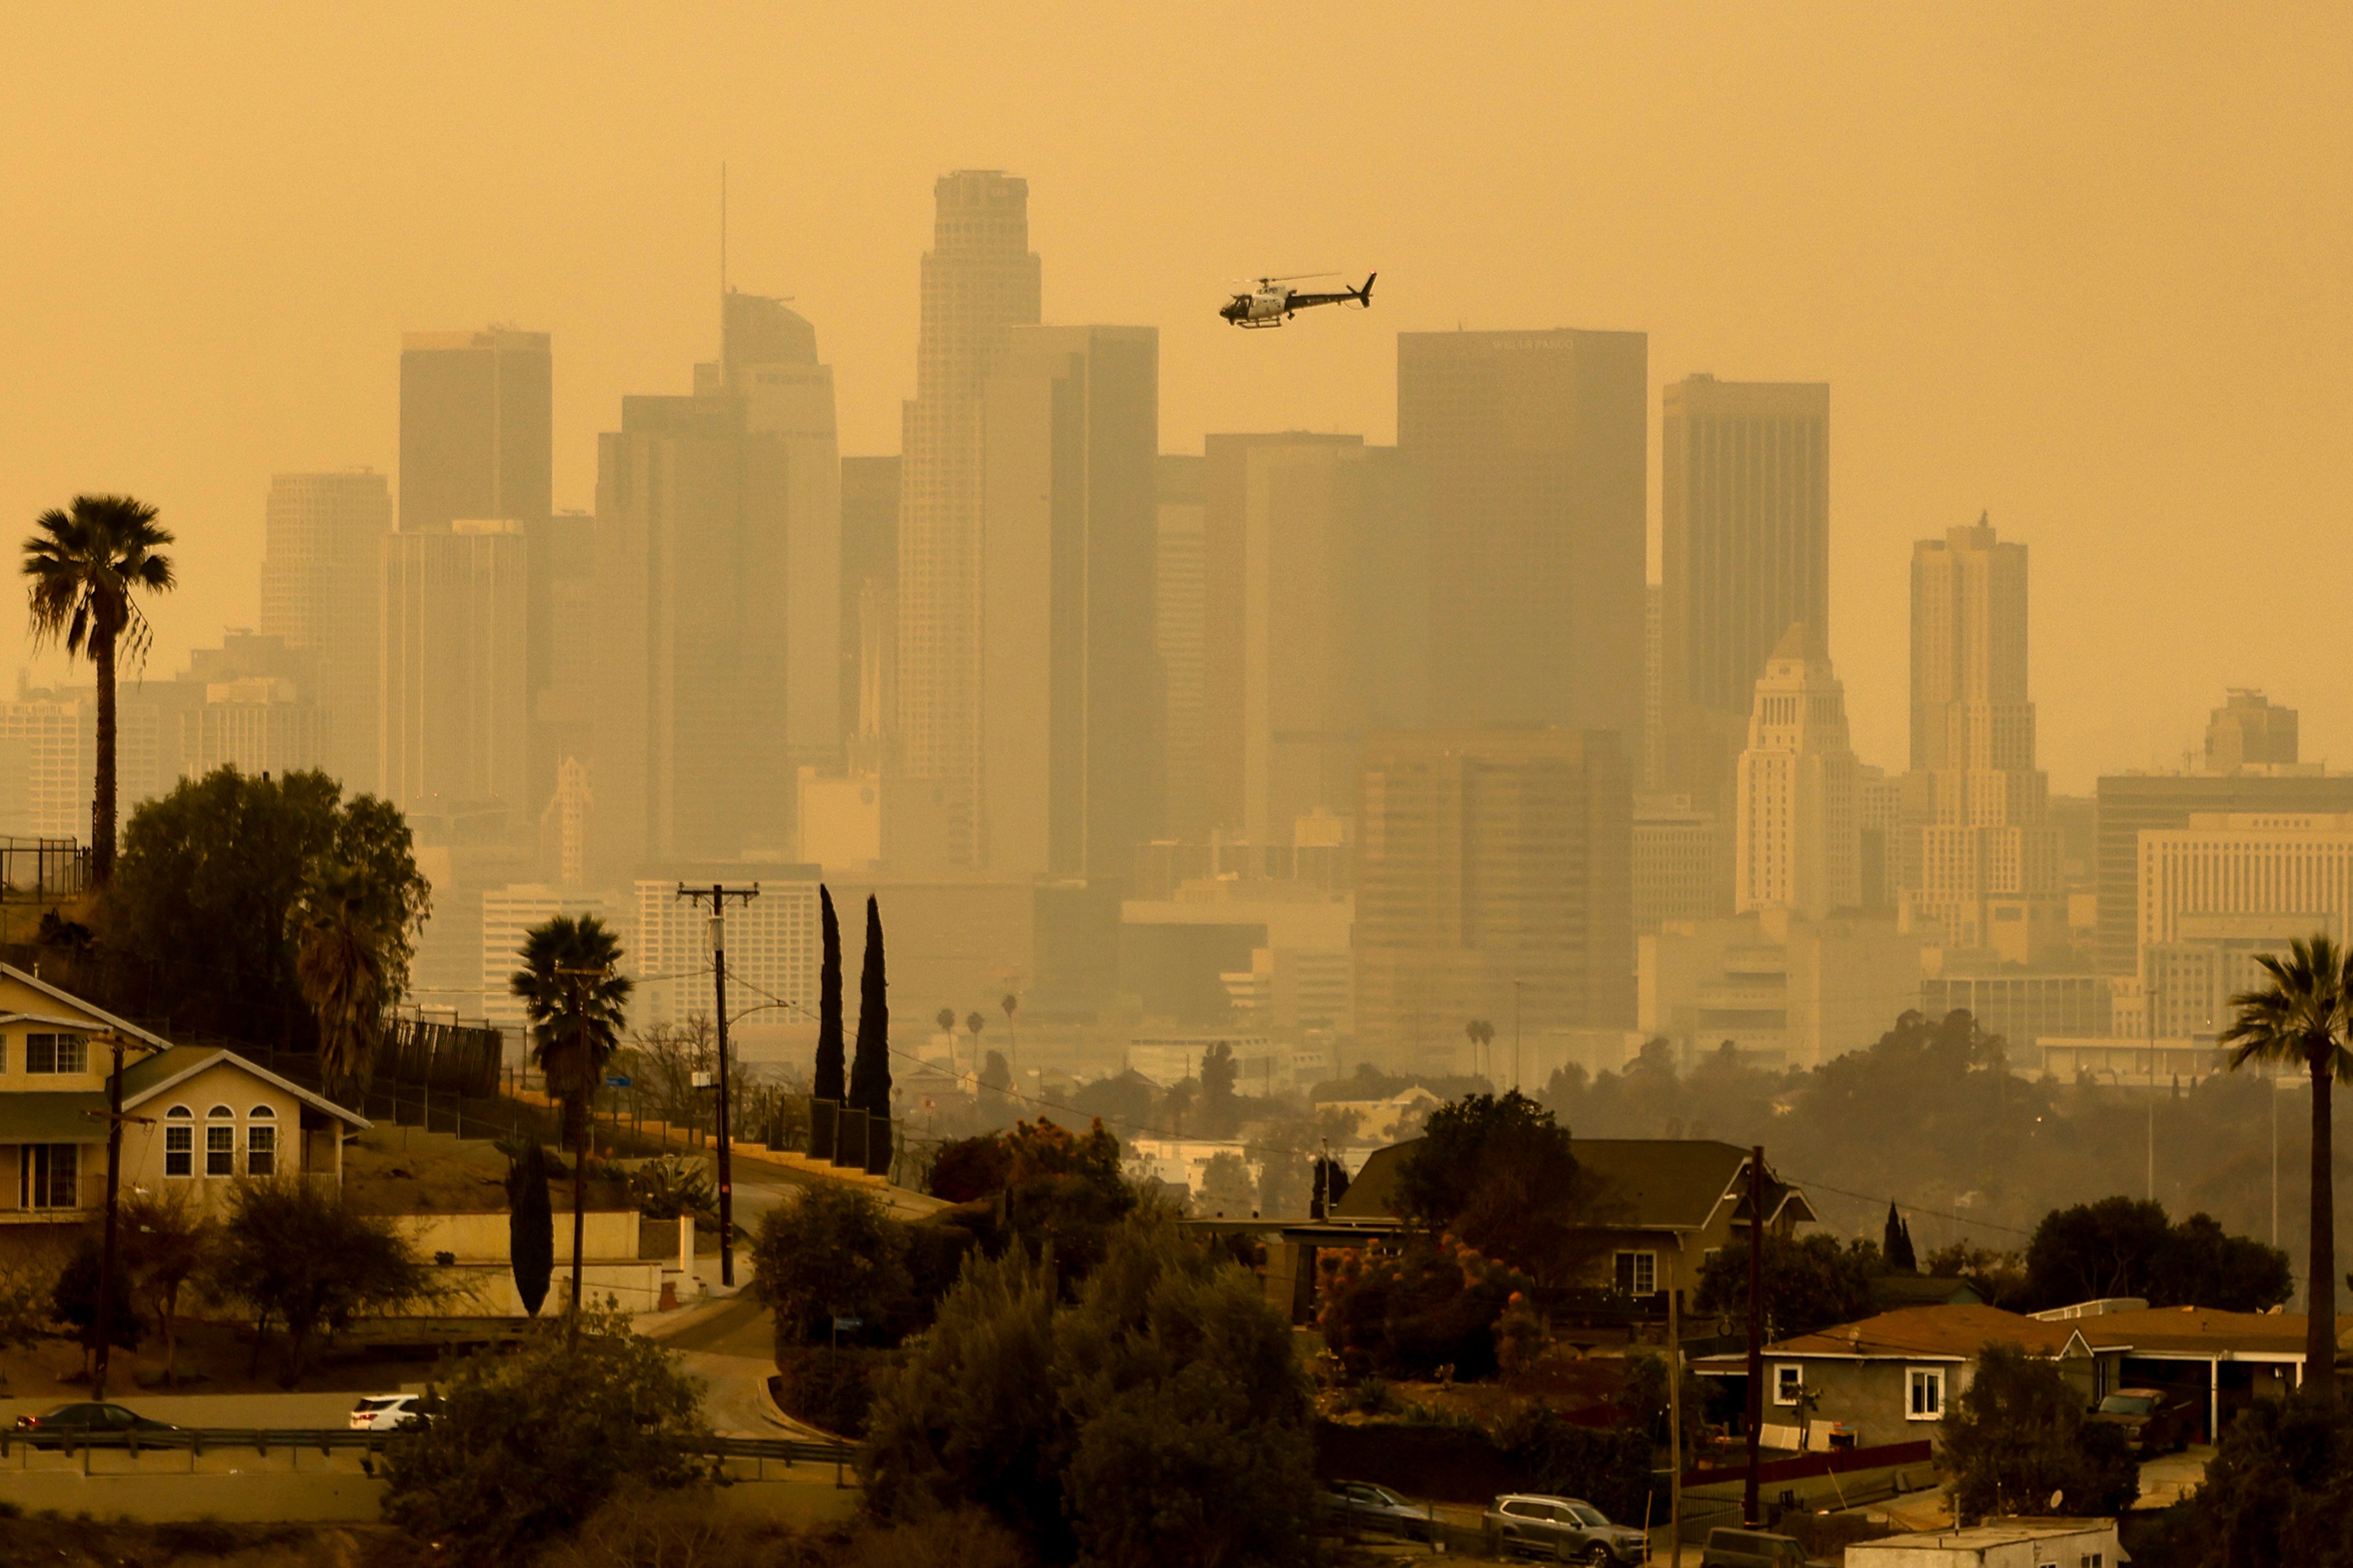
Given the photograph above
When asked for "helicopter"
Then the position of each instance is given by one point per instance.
(1273, 302)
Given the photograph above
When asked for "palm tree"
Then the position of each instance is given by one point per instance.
(2301, 1018)
(87, 565)
(340, 967)
(577, 1001)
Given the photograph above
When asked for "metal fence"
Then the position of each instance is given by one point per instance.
(295, 1441)
(43, 870)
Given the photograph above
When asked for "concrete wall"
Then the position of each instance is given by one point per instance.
(487, 1289)
(609, 1237)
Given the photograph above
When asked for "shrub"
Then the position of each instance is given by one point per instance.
(832, 1390)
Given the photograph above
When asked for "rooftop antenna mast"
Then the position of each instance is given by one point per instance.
(723, 266)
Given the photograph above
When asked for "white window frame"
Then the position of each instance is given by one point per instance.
(1796, 1373)
(35, 1190)
(1917, 1378)
(57, 1043)
(179, 1122)
(261, 1141)
(220, 1141)
(1642, 1260)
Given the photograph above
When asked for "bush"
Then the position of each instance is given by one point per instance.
(2016, 1442)
(833, 1252)
(290, 1251)
(517, 1450)
(672, 1186)
(1607, 1467)
(831, 1390)
(2279, 1491)
(1432, 1306)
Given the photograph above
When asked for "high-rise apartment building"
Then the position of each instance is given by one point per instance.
(2132, 806)
(1494, 882)
(509, 914)
(1797, 834)
(1654, 689)
(48, 757)
(1534, 445)
(322, 591)
(979, 280)
(455, 732)
(1069, 689)
(477, 427)
(1179, 604)
(1983, 863)
(2250, 731)
(1745, 552)
(773, 942)
(1681, 863)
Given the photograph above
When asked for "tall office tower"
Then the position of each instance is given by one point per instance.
(1987, 872)
(1334, 565)
(2249, 728)
(477, 427)
(1796, 832)
(322, 591)
(246, 704)
(768, 362)
(979, 280)
(1224, 486)
(2134, 806)
(1654, 689)
(1744, 554)
(561, 657)
(870, 600)
(1179, 565)
(694, 528)
(455, 736)
(1681, 863)
(1493, 881)
(1879, 825)
(1069, 689)
(1534, 445)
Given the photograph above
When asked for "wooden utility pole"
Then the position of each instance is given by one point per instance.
(104, 1322)
(1749, 1513)
(1674, 1417)
(718, 893)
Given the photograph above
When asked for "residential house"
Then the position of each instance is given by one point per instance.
(1997, 1543)
(1662, 1206)
(194, 1117)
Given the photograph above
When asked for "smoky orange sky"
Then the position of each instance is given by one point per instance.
(2083, 266)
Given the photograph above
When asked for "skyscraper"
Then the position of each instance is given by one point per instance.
(979, 280)
(2249, 728)
(1983, 863)
(1180, 638)
(1069, 689)
(322, 592)
(454, 734)
(870, 601)
(1533, 445)
(1797, 836)
(1493, 881)
(477, 427)
(1745, 553)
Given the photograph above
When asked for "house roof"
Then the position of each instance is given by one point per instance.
(1657, 1183)
(49, 1116)
(89, 1009)
(2201, 1331)
(147, 1080)
(1893, 1290)
(1935, 1333)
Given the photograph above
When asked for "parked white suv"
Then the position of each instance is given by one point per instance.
(383, 1412)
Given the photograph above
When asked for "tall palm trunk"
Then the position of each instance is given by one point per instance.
(2320, 1293)
(102, 810)
(576, 1122)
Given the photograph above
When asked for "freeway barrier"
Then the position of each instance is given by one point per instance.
(294, 1441)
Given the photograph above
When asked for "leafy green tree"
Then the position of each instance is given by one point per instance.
(1226, 1186)
(827, 1081)
(1998, 1278)
(1221, 1111)
(530, 1226)
(972, 1168)
(516, 1451)
(2204, 1266)
(996, 1085)
(2016, 1442)
(214, 878)
(2300, 1017)
(340, 965)
(2126, 1246)
(73, 1302)
(165, 1237)
(1162, 1416)
(87, 566)
(869, 1066)
(832, 1252)
(577, 998)
(1809, 1283)
(289, 1252)
(1426, 1307)
(2279, 1491)
(1498, 1171)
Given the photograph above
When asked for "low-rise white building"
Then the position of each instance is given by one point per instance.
(1997, 1543)
(1778, 985)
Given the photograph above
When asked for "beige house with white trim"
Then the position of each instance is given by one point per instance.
(196, 1117)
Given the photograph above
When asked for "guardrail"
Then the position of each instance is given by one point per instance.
(294, 1441)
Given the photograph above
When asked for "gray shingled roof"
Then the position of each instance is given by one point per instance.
(1654, 1182)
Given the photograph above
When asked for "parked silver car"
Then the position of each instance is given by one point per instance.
(1361, 1505)
(1563, 1529)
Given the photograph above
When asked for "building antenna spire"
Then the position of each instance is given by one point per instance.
(723, 236)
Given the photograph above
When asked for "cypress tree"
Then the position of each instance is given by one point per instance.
(1895, 1244)
(827, 1082)
(870, 1069)
(530, 1226)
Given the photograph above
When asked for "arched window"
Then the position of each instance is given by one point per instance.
(261, 1141)
(179, 1141)
(220, 1141)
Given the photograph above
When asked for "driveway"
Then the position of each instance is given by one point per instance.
(2167, 1479)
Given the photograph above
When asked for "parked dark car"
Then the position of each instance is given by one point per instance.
(1752, 1549)
(2154, 1421)
(1563, 1529)
(1361, 1505)
(83, 1418)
